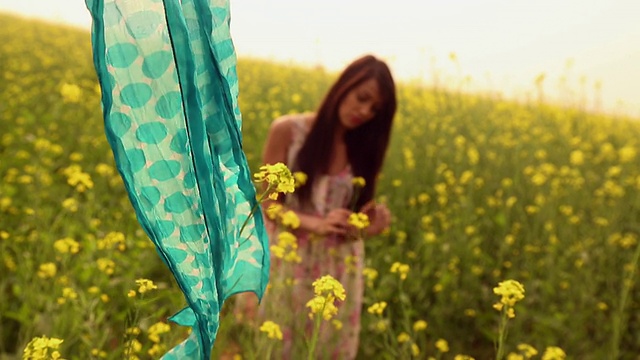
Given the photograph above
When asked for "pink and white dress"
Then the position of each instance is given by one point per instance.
(331, 255)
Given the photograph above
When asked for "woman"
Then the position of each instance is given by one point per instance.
(346, 138)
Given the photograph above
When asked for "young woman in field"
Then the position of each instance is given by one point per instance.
(346, 138)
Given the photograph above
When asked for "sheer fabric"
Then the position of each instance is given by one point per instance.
(167, 69)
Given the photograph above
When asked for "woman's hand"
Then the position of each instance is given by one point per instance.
(336, 222)
(379, 217)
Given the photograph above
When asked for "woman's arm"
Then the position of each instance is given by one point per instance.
(336, 222)
(379, 217)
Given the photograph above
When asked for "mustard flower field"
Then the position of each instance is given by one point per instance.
(515, 231)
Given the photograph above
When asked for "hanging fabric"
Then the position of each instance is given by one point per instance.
(167, 69)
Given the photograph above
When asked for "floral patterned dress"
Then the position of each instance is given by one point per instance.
(291, 283)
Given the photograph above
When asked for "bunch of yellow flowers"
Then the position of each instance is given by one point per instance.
(510, 291)
(327, 290)
(40, 348)
(278, 177)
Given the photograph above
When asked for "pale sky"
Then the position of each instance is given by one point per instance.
(503, 45)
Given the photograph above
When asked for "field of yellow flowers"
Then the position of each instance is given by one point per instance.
(482, 190)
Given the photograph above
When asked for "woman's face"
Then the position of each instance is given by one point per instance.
(360, 104)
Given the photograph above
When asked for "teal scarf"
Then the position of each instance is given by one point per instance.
(167, 69)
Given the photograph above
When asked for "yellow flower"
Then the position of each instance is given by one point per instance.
(539, 179)
(371, 275)
(145, 285)
(300, 178)
(70, 204)
(278, 178)
(42, 348)
(419, 325)
(470, 230)
(156, 330)
(99, 353)
(627, 154)
(324, 305)
(474, 155)
(47, 270)
(358, 181)
(292, 257)
(359, 220)
(463, 357)
(76, 156)
(377, 308)
(63, 280)
(134, 330)
(105, 265)
(286, 248)
(576, 157)
(25, 179)
(69, 293)
(442, 345)
(527, 350)
(9, 262)
(290, 219)
(403, 337)
(131, 293)
(510, 291)
(327, 290)
(337, 324)
(5, 202)
(553, 353)
(104, 169)
(381, 325)
(71, 93)
(113, 239)
(514, 356)
(133, 346)
(277, 251)
(350, 262)
(272, 330)
(401, 269)
(78, 179)
(274, 210)
(157, 350)
(429, 237)
(67, 245)
(328, 286)
(415, 350)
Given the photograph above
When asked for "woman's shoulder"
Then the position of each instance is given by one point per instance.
(292, 119)
(286, 124)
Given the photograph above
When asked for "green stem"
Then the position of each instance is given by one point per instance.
(253, 210)
(268, 355)
(405, 311)
(389, 340)
(316, 334)
(131, 321)
(618, 317)
(502, 334)
(354, 198)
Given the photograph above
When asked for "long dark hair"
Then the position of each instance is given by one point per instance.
(366, 144)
